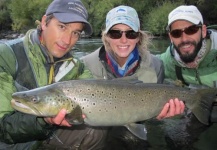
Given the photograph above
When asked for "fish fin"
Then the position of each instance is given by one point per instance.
(138, 130)
(75, 117)
(202, 108)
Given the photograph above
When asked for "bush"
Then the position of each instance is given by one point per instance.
(25, 12)
(156, 20)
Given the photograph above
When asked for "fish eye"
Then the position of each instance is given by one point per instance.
(34, 99)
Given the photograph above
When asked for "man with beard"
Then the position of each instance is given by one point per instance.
(192, 59)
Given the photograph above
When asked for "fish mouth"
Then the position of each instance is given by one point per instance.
(16, 104)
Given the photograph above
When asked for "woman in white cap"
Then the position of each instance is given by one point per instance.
(125, 55)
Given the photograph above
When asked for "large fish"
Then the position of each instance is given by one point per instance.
(110, 102)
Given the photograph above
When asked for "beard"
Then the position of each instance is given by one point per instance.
(187, 57)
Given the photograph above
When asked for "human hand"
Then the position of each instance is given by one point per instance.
(59, 119)
(172, 108)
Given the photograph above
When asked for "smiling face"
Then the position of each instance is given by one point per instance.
(123, 46)
(59, 37)
(187, 45)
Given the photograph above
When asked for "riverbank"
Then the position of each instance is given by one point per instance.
(7, 35)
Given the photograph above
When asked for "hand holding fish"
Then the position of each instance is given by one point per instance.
(172, 108)
(59, 119)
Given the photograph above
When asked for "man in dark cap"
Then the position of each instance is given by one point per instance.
(40, 58)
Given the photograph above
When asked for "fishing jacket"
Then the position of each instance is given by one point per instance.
(149, 70)
(204, 74)
(24, 64)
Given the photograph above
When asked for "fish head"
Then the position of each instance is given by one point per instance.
(45, 101)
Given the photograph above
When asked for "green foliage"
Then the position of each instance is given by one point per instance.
(21, 14)
(5, 20)
(208, 9)
(156, 21)
(25, 12)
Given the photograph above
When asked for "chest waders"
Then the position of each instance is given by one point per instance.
(24, 76)
(24, 80)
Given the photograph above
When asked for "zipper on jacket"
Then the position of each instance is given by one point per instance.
(197, 77)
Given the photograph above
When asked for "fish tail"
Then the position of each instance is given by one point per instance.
(203, 105)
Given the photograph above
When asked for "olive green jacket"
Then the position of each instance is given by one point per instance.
(24, 65)
(204, 74)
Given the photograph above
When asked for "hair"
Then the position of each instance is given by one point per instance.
(143, 43)
(47, 20)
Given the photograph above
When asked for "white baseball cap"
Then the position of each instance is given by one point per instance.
(123, 15)
(189, 13)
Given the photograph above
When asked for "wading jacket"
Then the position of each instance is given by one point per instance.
(150, 69)
(24, 64)
(204, 74)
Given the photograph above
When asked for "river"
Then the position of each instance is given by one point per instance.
(88, 45)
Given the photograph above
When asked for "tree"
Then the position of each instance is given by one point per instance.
(25, 12)
(5, 21)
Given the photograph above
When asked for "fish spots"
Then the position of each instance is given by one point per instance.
(73, 106)
(85, 100)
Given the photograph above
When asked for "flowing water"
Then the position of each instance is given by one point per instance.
(88, 45)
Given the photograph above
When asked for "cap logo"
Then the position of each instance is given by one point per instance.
(121, 10)
(76, 7)
(181, 11)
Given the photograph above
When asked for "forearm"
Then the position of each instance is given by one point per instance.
(17, 127)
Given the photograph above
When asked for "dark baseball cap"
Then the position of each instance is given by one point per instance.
(68, 11)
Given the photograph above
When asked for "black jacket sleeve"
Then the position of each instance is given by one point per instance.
(18, 127)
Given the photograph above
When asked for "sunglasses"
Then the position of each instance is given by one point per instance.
(117, 34)
(177, 33)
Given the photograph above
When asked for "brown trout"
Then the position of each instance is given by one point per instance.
(110, 102)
